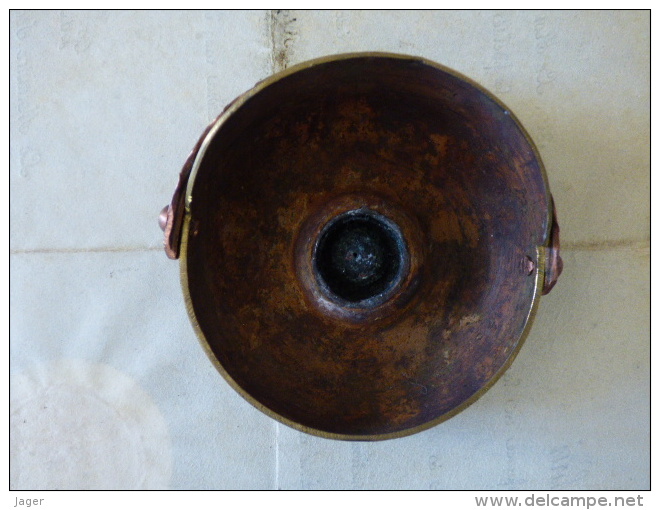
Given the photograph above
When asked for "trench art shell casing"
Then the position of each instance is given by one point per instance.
(363, 243)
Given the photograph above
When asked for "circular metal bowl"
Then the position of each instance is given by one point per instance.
(364, 240)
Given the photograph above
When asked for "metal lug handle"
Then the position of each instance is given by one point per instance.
(553, 261)
(170, 218)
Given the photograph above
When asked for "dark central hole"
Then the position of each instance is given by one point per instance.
(359, 256)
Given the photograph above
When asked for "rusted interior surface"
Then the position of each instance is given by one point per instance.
(423, 143)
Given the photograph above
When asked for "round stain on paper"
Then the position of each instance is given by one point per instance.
(79, 425)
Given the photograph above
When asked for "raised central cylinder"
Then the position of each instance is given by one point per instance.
(359, 256)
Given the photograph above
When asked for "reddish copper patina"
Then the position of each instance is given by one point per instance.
(365, 241)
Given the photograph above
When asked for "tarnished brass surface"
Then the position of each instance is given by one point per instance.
(445, 221)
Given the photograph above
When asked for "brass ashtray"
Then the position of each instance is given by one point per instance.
(364, 240)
